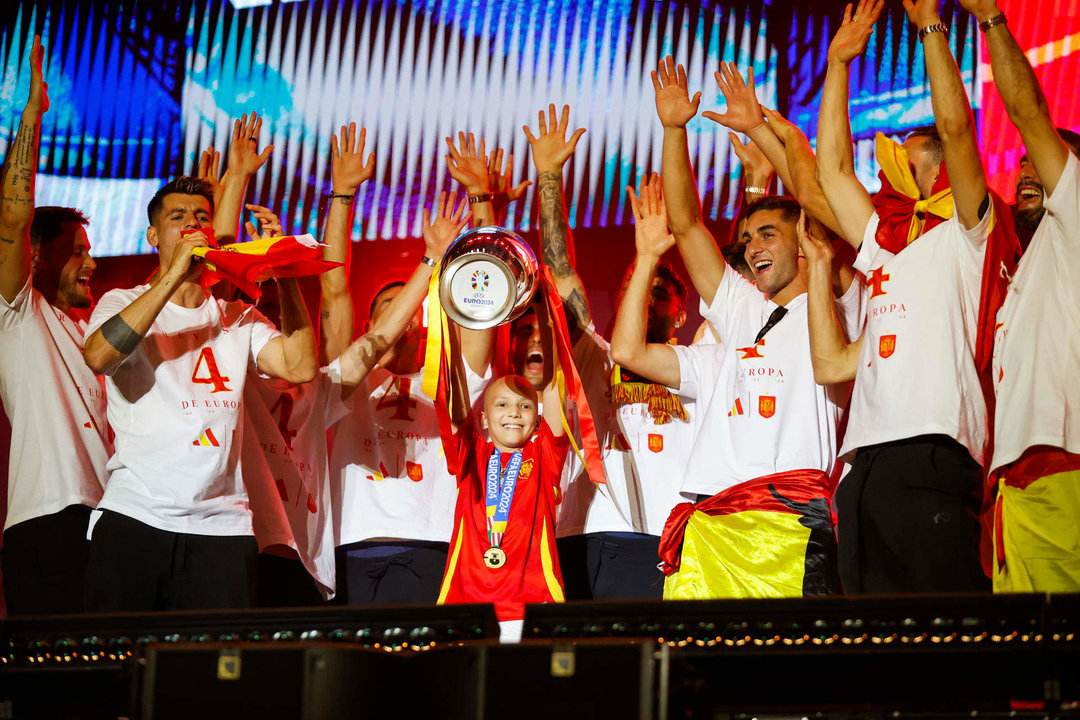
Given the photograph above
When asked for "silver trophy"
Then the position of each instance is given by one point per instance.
(488, 276)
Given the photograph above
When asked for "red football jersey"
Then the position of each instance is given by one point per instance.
(531, 573)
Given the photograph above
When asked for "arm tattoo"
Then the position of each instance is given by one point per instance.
(120, 335)
(554, 229)
(578, 308)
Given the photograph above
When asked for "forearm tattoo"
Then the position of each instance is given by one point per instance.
(554, 230)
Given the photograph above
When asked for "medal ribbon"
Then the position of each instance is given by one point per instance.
(499, 495)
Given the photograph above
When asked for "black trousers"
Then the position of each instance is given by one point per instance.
(391, 573)
(285, 582)
(907, 519)
(623, 566)
(136, 568)
(44, 562)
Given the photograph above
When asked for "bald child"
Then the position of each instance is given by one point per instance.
(503, 546)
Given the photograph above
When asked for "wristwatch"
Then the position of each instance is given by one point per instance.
(481, 198)
(935, 28)
(988, 23)
(429, 261)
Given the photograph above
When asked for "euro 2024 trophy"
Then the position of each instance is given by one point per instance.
(488, 277)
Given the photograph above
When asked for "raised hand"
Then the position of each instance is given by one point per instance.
(818, 250)
(780, 125)
(499, 178)
(444, 229)
(39, 89)
(854, 34)
(756, 167)
(467, 166)
(551, 149)
(651, 235)
(269, 224)
(208, 169)
(743, 111)
(244, 156)
(673, 103)
(922, 13)
(348, 170)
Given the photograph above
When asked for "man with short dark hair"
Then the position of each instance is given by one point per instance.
(176, 530)
(764, 456)
(56, 405)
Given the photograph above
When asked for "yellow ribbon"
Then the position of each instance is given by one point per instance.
(437, 331)
(896, 166)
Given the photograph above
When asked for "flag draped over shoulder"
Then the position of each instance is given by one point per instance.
(899, 205)
(247, 264)
(767, 537)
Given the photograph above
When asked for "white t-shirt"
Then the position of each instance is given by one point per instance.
(287, 471)
(760, 410)
(388, 467)
(916, 373)
(56, 406)
(175, 406)
(1037, 346)
(643, 461)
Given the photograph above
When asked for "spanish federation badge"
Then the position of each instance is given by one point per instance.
(494, 558)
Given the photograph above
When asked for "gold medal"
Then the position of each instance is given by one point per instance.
(494, 558)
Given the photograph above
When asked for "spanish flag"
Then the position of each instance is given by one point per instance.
(247, 264)
(764, 538)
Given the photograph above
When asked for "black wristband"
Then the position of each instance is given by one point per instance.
(347, 196)
(120, 335)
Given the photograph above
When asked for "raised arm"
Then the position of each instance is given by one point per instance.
(952, 114)
(348, 171)
(629, 348)
(20, 177)
(469, 167)
(119, 336)
(835, 360)
(244, 161)
(550, 151)
(291, 356)
(696, 244)
(1023, 96)
(362, 355)
(847, 197)
(744, 115)
(802, 170)
(500, 181)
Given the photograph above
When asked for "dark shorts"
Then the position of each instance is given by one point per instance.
(136, 568)
(44, 563)
(907, 519)
(390, 573)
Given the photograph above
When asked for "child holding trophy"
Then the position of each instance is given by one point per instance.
(503, 545)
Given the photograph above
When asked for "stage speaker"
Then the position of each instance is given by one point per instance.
(308, 682)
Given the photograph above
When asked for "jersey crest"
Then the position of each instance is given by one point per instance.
(887, 345)
(656, 442)
(766, 406)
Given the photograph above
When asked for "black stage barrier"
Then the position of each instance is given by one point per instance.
(832, 658)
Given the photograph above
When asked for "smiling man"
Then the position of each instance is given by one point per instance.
(56, 405)
(176, 530)
(764, 459)
(1030, 192)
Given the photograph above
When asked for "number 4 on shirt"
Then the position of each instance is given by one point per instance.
(213, 376)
